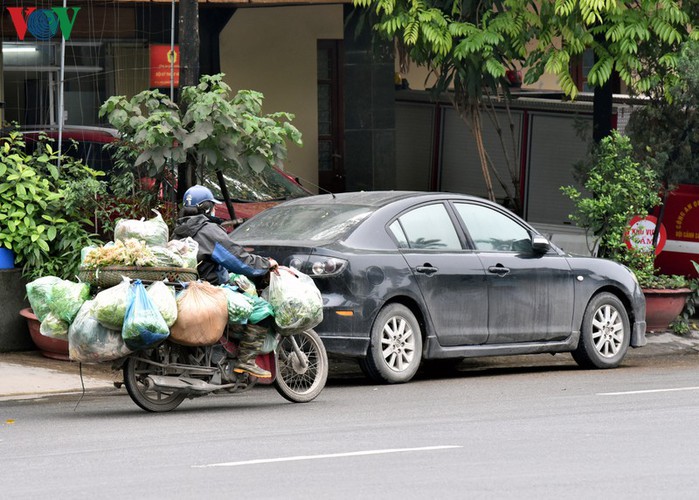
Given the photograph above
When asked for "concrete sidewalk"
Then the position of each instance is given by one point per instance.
(28, 374)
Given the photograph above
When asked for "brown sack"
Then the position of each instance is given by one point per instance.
(202, 315)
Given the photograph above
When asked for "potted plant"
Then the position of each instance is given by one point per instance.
(44, 216)
(618, 189)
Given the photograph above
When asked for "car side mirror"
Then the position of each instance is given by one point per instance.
(540, 244)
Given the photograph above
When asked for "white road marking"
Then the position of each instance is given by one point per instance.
(648, 391)
(331, 455)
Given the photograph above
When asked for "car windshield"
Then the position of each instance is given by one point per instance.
(268, 185)
(303, 223)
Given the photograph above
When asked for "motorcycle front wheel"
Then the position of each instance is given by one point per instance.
(302, 367)
(136, 370)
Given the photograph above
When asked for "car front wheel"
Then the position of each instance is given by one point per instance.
(396, 346)
(605, 333)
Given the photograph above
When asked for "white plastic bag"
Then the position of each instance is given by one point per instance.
(110, 305)
(90, 342)
(297, 302)
(153, 231)
(163, 297)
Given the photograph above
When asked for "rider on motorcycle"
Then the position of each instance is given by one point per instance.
(218, 254)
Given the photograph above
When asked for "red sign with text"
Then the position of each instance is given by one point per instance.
(161, 61)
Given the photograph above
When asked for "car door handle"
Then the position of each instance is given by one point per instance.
(500, 270)
(428, 270)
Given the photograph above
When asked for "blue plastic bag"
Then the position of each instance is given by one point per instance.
(144, 326)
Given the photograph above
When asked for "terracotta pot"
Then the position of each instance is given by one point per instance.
(663, 306)
(49, 347)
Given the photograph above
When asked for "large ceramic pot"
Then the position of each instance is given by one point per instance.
(663, 306)
(49, 347)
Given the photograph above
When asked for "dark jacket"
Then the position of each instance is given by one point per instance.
(218, 254)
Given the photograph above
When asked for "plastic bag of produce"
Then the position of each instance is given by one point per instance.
(144, 326)
(110, 305)
(297, 302)
(39, 295)
(239, 305)
(90, 342)
(202, 314)
(153, 231)
(66, 299)
(187, 249)
(243, 283)
(163, 297)
(54, 327)
(165, 257)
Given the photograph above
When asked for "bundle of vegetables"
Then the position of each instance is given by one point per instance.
(129, 252)
(153, 231)
(187, 249)
(144, 326)
(297, 302)
(90, 342)
(239, 305)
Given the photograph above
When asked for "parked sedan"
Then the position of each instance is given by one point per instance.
(412, 276)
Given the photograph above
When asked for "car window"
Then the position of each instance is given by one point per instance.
(303, 223)
(491, 230)
(399, 234)
(430, 227)
(268, 185)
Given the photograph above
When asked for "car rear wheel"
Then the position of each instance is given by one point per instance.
(396, 346)
(605, 333)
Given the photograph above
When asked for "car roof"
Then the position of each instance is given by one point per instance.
(78, 132)
(373, 198)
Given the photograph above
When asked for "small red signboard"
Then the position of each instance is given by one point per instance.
(161, 61)
(641, 231)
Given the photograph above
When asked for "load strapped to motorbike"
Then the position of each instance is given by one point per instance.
(138, 304)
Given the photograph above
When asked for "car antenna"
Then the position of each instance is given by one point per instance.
(298, 177)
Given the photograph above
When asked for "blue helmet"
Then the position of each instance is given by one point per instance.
(196, 195)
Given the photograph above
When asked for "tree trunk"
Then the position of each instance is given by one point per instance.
(189, 72)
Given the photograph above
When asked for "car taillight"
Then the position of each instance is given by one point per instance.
(327, 266)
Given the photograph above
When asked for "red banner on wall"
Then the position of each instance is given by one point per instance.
(160, 65)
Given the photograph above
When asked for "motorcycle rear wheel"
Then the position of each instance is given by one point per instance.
(136, 371)
(301, 374)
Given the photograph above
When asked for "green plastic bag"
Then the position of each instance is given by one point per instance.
(261, 309)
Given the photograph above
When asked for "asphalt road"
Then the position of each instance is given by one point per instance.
(491, 430)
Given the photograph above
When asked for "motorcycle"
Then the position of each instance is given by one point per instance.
(161, 378)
